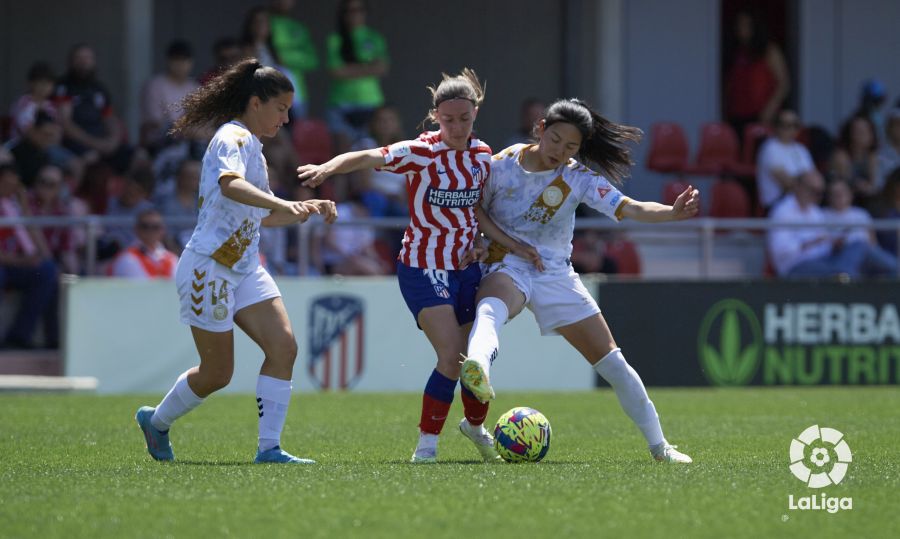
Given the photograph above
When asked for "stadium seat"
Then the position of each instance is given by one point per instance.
(719, 152)
(312, 141)
(754, 135)
(729, 199)
(625, 253)
(668, 148)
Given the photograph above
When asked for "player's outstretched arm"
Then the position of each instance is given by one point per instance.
(686, 206)
(313, 175)
(490, 229)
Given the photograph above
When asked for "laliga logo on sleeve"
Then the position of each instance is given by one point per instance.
(819, 458)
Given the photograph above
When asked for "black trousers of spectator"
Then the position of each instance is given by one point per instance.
(40, 292)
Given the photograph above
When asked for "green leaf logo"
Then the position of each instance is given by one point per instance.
(730, 343)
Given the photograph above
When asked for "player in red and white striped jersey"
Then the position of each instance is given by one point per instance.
(445, 171)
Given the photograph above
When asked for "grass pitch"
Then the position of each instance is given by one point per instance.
(75, 466)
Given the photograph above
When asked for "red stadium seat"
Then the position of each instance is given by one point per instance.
(719, 151)
(626, 256)
(754, 135)
(312, 141)
(668, 148)
(729, 199)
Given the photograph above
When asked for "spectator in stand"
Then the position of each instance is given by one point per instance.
(357, 59)
(756, 75)
(147, 257)
(382, 192)
(589, 253)
(810, 251)
(781, 160)
(350, 249)
(24, 111)
(890, 204)
(134, 200)
(26, 266)
(163, 93)
(49, 198)
(294, 47)
(32, 150)
(856, 159)
(531, 112)
(889, 152)
(840, 210)
(227, 52)
(182, 203)
(90, 127)
(871, 104)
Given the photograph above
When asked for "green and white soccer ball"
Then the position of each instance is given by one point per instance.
(522, 435)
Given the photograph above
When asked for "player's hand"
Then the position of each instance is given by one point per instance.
(297, 210)
(529, 253)
(687, 204)
(475, 254)
(325, 208)
(312, 175)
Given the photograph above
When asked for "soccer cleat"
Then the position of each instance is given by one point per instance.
(426, 449)
(157, 442)
(277, 455)
(473, 376)
(669, 453)
(482, 439)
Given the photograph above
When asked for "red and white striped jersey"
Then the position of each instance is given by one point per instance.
(444, 185)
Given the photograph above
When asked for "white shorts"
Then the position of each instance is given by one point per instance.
(555, 299)
(211, 293)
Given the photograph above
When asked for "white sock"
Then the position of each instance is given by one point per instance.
(427, 441)
(632, 395)
(490, 315)
(180, 400)
(272, 399)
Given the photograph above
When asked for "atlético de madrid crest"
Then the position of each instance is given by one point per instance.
(336, 341)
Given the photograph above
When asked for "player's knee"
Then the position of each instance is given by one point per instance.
(217, 379)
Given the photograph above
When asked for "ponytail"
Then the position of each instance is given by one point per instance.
(226, 96)
(604, 144)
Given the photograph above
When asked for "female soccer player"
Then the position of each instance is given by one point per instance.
(219, 276)
(445, 171)
(531, 196)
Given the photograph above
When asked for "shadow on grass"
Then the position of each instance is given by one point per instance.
(475, 462)
(213, 463)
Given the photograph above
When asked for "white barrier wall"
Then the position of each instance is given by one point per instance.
(353, 333)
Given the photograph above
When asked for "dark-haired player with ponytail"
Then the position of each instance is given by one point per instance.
(531, 196)
(445, 171)
(219, 277)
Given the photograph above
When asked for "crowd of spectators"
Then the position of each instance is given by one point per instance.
(67, 153)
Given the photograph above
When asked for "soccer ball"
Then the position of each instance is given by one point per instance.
(522, 435)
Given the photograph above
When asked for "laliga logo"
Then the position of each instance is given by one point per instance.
(820, 457)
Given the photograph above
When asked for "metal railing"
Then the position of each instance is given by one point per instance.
(703, 231)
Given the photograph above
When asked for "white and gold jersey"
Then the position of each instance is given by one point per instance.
(228, 231)
(538, 208)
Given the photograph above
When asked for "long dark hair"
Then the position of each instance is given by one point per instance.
(463, 86)
(604, 144)
(846, 134)
(348, 51)
(226, 96)
(247, 31)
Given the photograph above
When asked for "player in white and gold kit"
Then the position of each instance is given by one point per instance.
(531, 195)
(219, 277)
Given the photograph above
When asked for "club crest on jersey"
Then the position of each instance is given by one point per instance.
(336, 344)
(477, 173)
(452, 198)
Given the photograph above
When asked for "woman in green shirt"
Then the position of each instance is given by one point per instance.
(294, 46)
(357, 59)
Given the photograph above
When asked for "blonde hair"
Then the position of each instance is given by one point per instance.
(463, 86)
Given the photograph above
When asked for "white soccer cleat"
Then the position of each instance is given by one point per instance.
(473, 376)
(482, 439)
(669, 453)
(426, 450)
